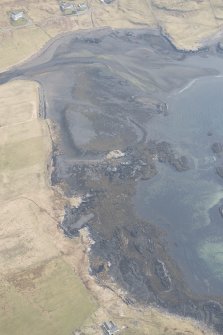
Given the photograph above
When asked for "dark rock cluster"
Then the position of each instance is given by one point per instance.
(76, 218)
(217, 147)
(166, 154)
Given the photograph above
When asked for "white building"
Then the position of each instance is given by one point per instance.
(17, 15)
(109, 328)
(66, 6)
(107, 1)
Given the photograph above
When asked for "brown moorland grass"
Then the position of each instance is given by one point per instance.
(186, 23)
(40, 293)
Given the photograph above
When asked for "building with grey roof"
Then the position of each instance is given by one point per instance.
(109, 328)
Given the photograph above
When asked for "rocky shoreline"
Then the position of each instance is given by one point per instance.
(111, 102)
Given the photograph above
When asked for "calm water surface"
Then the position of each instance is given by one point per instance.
(186, 204)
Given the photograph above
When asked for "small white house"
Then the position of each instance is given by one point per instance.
(107, 1)
(66, 6)
(17, 15)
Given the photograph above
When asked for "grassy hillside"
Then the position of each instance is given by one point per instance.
(186, 23)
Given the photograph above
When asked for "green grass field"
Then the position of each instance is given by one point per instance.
(21, 154)
(48, 300)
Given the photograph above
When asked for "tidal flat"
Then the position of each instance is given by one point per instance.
(154, 211)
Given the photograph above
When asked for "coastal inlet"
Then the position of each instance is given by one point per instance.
(140, 146)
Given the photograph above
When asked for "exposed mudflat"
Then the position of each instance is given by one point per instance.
(108, 90)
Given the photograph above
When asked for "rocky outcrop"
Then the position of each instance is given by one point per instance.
(219, 170)
(165, 154)
(217, 147)
(220, 46)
